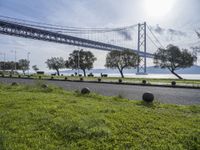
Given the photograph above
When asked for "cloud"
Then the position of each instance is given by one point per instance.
(125, 34)
(173, 32)
(168, 34)
(158, 29)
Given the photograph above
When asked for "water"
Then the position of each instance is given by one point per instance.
(161, 76)
(133, 75)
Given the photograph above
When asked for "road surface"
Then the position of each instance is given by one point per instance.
(133, 92)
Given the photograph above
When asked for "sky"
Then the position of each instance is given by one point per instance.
(172, 21)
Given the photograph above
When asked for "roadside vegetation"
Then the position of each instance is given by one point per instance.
(187, 82)
(47, 117)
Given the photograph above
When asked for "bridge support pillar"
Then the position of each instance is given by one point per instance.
(142, 64)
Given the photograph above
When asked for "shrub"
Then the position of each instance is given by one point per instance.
(148, 97)
(40, 77)
(52, 77)
(19, 76)
(120, 80)
(90, 75)
(81, 79)
(65, 78)
(40, 72)
(99, 79)
(173, 83)
(144, 82)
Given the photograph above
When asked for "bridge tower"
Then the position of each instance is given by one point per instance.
(142, 67)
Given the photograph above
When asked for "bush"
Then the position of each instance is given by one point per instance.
(52, 77)
(81, 79)
(2, 75)
(120, 80)
(99, 79)
(85, 90)
(104, 75)
(65, 78)
(90, 75)
(144, 82)
(173, 83)
(40, 72)
(10, 75)
(148, 97)
(19, 76)
(40, 77)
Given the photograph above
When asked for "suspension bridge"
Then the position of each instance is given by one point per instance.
(95, 38)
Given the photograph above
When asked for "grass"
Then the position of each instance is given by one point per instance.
(188, 82)
(32, 117)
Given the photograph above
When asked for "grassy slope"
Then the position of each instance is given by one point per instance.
(36, 118)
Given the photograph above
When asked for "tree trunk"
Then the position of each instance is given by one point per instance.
(176, 75)
(24, 72)
(84, 72)
(58, 73)
(121, 72)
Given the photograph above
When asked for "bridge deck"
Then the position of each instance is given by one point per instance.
(15, 29)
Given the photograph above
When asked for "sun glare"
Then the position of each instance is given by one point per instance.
(158, 8)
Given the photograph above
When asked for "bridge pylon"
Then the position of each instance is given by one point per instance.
(142, 46)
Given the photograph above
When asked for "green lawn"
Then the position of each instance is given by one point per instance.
(194, 83)
(32, 117)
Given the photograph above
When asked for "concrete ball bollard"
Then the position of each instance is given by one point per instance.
(148, 97)
(85, 90)
(44, 86)
(14, 84)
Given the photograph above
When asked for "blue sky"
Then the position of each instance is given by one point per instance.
(174, 21)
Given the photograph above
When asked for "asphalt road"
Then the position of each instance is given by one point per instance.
(162, 94)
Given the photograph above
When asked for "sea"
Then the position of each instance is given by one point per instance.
(115, 73)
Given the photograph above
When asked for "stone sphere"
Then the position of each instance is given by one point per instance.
(14, 83)
(148, 97)
(85, 90)
(44, 86)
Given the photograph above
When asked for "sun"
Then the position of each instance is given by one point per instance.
(158, 8)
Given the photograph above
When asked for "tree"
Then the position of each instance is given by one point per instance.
(173, 59)
(121, 60)
(198, 34)
(55, 63)
(23, 65)
(35, 68)
(81, 60)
